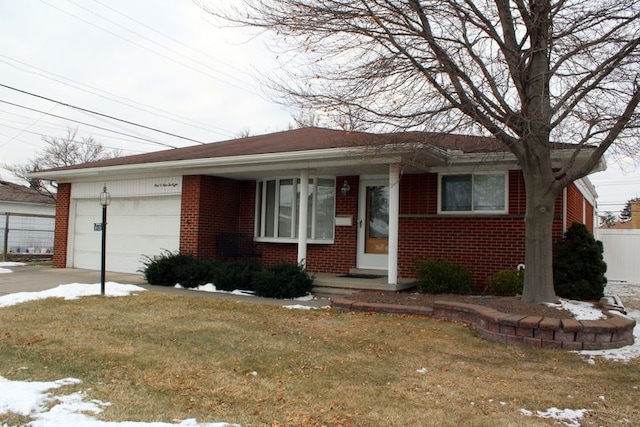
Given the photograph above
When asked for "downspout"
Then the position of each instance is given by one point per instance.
(302, 218)
(394, 211)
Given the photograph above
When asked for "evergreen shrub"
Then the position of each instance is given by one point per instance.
(283, 281)
(438, 276)
(164, 269)
(232, 275)
(578, 266)
(507, 283)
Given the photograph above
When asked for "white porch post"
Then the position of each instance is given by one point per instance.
(394, 211)
(302, 218)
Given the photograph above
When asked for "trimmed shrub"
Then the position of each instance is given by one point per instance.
(163, 269)
(578, 265)
(507, 283)
(283, 281)
(437, 276)
(230, 276)
(196, 272)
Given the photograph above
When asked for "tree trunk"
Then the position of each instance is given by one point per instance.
(538, 276)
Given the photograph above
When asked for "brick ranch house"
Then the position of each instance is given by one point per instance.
(374, 202)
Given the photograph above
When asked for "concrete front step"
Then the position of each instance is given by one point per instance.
(357, 280)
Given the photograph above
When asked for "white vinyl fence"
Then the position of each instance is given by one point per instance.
(621, 253)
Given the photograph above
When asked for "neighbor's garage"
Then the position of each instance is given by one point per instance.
(142, 219)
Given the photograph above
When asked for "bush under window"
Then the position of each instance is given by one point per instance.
(437, 276)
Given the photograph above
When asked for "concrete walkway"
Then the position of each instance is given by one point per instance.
(35, 278)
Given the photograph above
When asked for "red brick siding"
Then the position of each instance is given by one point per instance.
(210, 205)
(485, 243)
(61, 234)
(589, 213)
(575, 211)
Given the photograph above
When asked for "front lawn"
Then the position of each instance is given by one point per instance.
(162, 357)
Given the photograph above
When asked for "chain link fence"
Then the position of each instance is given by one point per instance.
(26, 236)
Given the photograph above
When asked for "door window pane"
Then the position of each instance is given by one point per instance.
(378, 204)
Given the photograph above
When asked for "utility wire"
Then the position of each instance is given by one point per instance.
(100, 114)
(116, 98)
(198, 51)
(155, 42)
(146, 48)
(86, 124)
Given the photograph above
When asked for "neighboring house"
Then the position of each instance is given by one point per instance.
(374, 202)
(28, 215)
(621, 243)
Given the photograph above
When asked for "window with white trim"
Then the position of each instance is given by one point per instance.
(278, 204)
(476, 193)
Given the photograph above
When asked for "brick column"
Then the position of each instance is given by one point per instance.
(61, 234)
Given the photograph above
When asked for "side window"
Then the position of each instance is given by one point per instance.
(478, 193)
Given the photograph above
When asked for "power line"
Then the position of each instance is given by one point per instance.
(198, 51)
(100, 114)
(86, 124)
(129, 102)
(145, 48)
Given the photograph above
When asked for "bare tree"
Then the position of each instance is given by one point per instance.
(63, 151)
(531, 73)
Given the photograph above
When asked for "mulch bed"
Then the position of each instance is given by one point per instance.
(512, 305)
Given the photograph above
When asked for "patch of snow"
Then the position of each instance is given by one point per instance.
(70, 292)
(5, 270)
(568, 417)
(32, 398)
(622, 354)
(421, 370)
(11, 264)
(580, 310)
(305, 307)
(210, 287)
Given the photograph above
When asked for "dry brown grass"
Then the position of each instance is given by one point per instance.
(160, 357)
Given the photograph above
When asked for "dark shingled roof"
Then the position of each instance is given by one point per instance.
(10, 192)
(311, 138)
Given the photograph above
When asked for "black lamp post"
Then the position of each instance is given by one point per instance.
(105, 199)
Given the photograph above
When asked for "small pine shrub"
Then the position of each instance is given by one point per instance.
(233, 275)
(578, 266)
(162, 270)
(507, 283)
(196, 272)
(437, 276)
(283, 281)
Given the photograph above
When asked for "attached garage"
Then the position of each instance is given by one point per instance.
(142, 219)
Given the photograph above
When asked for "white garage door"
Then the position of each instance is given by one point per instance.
(135, 227)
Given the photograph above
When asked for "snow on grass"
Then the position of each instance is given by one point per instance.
(33, 399)
(568, 417)
(69, 292)
(210, 287)
(11, 264)
(5, 270)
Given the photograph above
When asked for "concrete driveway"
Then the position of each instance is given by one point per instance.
(35, 278)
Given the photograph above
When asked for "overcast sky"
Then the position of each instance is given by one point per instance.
(163, 64)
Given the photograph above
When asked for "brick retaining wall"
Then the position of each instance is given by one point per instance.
(533, 331)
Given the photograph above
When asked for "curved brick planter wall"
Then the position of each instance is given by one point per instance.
(546, 332)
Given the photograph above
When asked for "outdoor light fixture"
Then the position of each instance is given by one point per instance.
(345, 188)
(105, 199)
